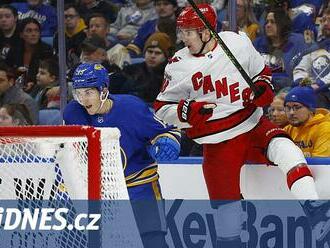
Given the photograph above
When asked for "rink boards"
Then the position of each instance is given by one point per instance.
(184, 180)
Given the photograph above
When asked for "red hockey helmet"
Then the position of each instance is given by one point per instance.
(188, 18)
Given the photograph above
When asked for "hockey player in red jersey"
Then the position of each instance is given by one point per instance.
(204, 94)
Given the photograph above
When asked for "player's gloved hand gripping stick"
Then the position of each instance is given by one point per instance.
(263, 99)
(194, 112)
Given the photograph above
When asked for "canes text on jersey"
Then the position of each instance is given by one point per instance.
(220, 86)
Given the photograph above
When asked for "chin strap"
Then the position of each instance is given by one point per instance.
(203, 46)
(103, 98)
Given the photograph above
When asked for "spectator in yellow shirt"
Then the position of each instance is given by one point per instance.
(309, 127)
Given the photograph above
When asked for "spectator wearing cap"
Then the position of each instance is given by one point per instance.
(130, 19)
(145, 79)
(166, 22)
(309, 126)
(74, 34)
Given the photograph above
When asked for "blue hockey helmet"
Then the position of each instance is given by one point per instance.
(90, 75)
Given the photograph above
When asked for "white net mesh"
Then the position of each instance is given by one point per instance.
(36, 157)
(59, 169)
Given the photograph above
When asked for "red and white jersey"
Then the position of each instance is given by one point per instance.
(213, 78)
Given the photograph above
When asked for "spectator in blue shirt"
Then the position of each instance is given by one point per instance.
(279, 46)
(314, 63)
(44, 14)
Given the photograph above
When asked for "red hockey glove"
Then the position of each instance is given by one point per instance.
(195, 112)
(264, 98)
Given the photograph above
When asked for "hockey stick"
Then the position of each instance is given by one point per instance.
(224, 47)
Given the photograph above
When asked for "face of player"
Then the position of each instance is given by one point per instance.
(297, 113)
(326, 25)
(5, 119)
(154, 57)
(5, 82)
(191, 39)
(89, 98)
(44, 78)
(31, 34)
(165, 8)
(97, 25)
(271, 26)
(277, 112)
(7, 19)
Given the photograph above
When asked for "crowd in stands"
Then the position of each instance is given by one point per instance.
(134, 39)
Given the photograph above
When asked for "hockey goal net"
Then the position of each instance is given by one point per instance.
(61, 164)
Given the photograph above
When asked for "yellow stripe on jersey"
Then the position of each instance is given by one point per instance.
(146, 175)
(164, 135)
(156, 189)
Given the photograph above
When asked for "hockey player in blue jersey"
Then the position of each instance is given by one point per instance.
(144, 140)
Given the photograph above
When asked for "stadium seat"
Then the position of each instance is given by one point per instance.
(50, 117)
(48, 40)
(137, 60)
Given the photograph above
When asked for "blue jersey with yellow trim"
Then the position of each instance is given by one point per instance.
(138, 127)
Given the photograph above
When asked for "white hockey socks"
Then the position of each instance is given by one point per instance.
(290, 159)
(304, 188)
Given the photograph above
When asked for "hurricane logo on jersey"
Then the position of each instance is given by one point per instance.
(320, 66)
